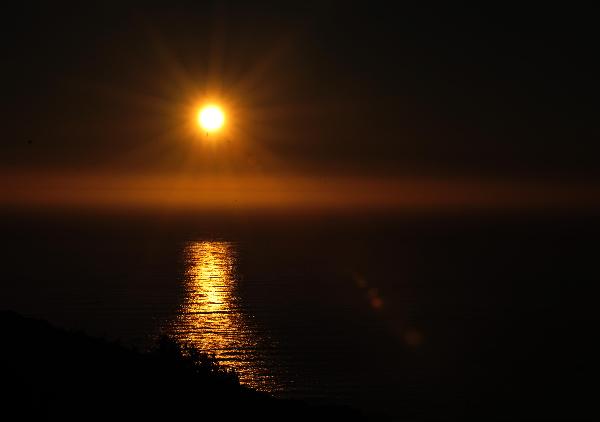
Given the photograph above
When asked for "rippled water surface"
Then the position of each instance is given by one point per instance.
(212, 316)
(372, 315)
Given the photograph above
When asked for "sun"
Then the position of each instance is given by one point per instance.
(211, 118)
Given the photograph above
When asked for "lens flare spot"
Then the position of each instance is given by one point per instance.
(413, 337)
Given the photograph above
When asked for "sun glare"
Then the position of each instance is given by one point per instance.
(211, 118)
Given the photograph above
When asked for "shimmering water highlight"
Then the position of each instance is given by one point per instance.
(211, 316)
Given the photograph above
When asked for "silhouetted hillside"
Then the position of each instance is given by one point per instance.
(49, 371)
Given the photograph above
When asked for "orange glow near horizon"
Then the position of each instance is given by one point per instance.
(284, 192)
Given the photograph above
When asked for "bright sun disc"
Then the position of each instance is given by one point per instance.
(211, 118)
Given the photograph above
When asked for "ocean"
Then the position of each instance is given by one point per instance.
(390, 314)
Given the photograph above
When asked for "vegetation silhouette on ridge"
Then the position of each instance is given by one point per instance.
(50, 371)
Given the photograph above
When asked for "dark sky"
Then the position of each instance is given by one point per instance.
(319, 87)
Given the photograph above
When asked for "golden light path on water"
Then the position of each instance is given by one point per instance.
(212, 316)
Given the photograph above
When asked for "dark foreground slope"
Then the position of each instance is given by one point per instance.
(48, 371)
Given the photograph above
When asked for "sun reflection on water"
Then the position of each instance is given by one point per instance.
(212, 316)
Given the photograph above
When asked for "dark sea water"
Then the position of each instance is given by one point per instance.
(390, 314)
